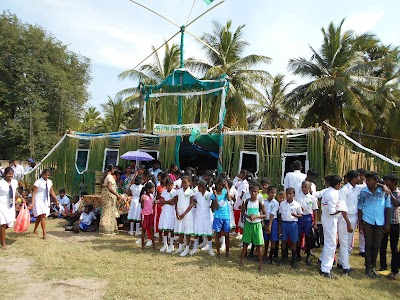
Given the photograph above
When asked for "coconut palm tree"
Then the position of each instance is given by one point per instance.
(269, 113)
(152, 73)
(343, 86)
(91, 121)
(241, 69)
(114, 115)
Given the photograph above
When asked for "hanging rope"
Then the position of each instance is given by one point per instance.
(187, 21)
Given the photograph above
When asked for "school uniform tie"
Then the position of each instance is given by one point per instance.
(11, 195)
(47, 195)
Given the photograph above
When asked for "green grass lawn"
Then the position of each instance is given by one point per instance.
(127, 272)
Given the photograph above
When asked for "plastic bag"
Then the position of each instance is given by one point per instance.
(23, 219)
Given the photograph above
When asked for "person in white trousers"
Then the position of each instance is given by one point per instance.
(332, 207)
(349, 194)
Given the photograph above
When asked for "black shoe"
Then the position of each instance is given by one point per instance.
(339, 266)
(370, 274)
(284, 260)
(374, 273)
(308, 261)
(294, 264)
(382, 268)
(329, 275)
(362, 254)
(346, 272)
(298, 258)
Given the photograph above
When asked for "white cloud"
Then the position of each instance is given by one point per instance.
(364, 21)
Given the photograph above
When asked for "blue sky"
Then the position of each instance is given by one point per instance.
(116, 35)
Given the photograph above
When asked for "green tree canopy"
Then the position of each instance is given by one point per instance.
(345, 81)
(244, 76)
(43, 88)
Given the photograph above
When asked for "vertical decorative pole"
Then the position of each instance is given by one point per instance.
(182, 65)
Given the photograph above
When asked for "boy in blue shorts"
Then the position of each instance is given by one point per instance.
(271, 225)
(85, 220)
(309, 206)
(220, 204)
(290, 211)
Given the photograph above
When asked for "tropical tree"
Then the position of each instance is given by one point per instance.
(241, 69)
(114, 115)
(268, 113)
(91, 121)
(152, 73)
(43, 88)
(343, 86)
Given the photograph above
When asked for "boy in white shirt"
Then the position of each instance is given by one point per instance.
(271, 226)
(290, 211)
(63, 199)
(309, 206)
(85, 220)
(242, 188)
(332, 207)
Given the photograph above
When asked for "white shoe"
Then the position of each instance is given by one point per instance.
(239, 236)
(205, 248)
(222, 248)
(203, 244)
(130, 233)
(163, 249)
(211, 253)
(138, 233)
(249, 246)
(240, 245)
(193, 252)
(185, 252)
(139, 242)
(149, 243)
(177, 251)
(156, 235)
(170, 249)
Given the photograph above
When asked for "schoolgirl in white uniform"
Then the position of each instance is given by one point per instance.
(135, 208)
(42, 190)
(167, 217)
(203, 218)
(184, 203)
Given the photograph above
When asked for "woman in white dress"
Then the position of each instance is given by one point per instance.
(8, 188)
(42, 191)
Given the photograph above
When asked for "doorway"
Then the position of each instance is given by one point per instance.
(289, 158)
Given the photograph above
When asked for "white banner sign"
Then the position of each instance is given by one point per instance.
(183, 129)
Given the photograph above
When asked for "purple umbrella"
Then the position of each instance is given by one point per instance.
(137, 155)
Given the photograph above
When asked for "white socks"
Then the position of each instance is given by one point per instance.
(210, 249)
(137, 227)
(195, 244)
(131, 223)
(165, 239)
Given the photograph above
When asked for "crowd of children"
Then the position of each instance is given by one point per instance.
(186, 211)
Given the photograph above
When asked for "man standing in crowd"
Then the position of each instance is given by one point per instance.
(294, 179)
(374, 219)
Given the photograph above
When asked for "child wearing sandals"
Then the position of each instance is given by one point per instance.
(184, 203)
(167, 218)
(203, 218)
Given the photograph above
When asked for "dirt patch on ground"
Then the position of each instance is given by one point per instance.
(77, 288)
